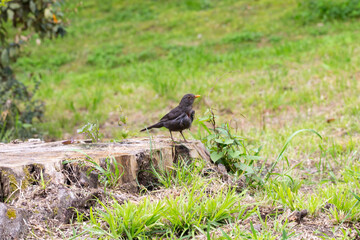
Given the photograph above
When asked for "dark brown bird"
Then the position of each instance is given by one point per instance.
(178, 119)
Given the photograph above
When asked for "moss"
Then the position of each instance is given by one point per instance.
(28, 179)
(56, 210)
(38, 166)
(26, 172)
(11, 213)
(12, 180)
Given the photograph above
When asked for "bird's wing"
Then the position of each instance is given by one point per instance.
(192, 115)
(176, 112)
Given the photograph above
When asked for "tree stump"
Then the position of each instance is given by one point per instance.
(22, 164)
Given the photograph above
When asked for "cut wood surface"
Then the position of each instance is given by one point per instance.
(134, 156)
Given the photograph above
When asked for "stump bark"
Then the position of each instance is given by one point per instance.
(22, 164)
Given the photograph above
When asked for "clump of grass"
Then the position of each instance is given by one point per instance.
(243, 37)
(128, 220)
(286, 192)
(345, 203)
(327, 10)
(109, 174)
(196, 4)
(183, 173)
(192, 211)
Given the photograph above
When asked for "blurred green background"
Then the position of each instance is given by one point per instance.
(284, 65)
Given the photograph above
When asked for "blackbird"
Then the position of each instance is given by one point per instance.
(178, 119)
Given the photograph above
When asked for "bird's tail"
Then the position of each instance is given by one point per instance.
(156, 125)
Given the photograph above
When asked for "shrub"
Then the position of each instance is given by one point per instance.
(17, 107)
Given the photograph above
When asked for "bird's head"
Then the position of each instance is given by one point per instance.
(188, 99)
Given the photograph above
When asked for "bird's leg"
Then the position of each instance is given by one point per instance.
(183, 136)
(171, 137)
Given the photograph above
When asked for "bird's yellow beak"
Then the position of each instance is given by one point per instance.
(197, 96)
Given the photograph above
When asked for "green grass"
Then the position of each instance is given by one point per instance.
(249, 57)
(283, 65)
(186, 215)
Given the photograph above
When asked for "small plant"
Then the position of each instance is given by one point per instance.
(110, 174)
(91, 130)
(124, 133)
(230, 149)
(42, 181)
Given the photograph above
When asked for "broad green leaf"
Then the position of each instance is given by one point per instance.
(247, 157)
(244, 167)
(48, 14)
(215, 156)
(13, 51)
(222, 131)
(14, 5)
(228, 141)
(5, 57)
(211, 137)
(224, 141)
(10, 14)
(234, 154)
(219, 140)
(32, 6)
(204, 119)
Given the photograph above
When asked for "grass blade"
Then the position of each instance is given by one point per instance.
(285, 147)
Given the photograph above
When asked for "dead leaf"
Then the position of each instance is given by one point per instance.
(67, 142)
(329, 120)
(4, 115)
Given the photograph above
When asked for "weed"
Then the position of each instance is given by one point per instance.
(230, 150)
(42, 181)
(109, 174)
(91, 130)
